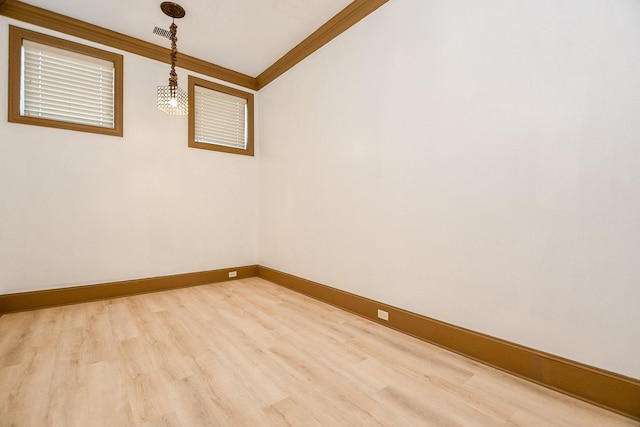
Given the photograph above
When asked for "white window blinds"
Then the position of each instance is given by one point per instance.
(62, 85)
(220, 118)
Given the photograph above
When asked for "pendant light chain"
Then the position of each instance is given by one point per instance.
(173, 76)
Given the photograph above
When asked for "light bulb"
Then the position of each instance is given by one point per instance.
(173, 102)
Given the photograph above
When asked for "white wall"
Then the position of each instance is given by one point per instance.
(473, 161)
(79, 208)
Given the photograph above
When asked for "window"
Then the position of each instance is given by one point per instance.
(61, 84)
(220, 118)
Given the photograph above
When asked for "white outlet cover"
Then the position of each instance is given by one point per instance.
(383, 315)
(233, 274)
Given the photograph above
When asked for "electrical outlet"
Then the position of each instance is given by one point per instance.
(383, 315)
(233, 274)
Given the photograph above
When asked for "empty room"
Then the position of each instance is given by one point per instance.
(320, 213)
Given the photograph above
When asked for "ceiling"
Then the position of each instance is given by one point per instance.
(243, 35)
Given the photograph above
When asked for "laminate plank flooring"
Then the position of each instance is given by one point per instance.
(251, 353)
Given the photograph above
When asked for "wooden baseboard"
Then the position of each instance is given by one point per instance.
(605, 389)
(62, 296)
(602, 388)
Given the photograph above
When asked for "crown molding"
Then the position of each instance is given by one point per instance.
(345, 19)
(74, 27)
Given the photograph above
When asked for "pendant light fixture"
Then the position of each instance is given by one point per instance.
(171, 98)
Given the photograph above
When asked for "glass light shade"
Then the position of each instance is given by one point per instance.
(173, 100)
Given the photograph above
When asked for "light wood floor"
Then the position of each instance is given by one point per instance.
(250, 353)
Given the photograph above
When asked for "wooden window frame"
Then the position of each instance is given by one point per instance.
(16, 36)
(195, 81)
